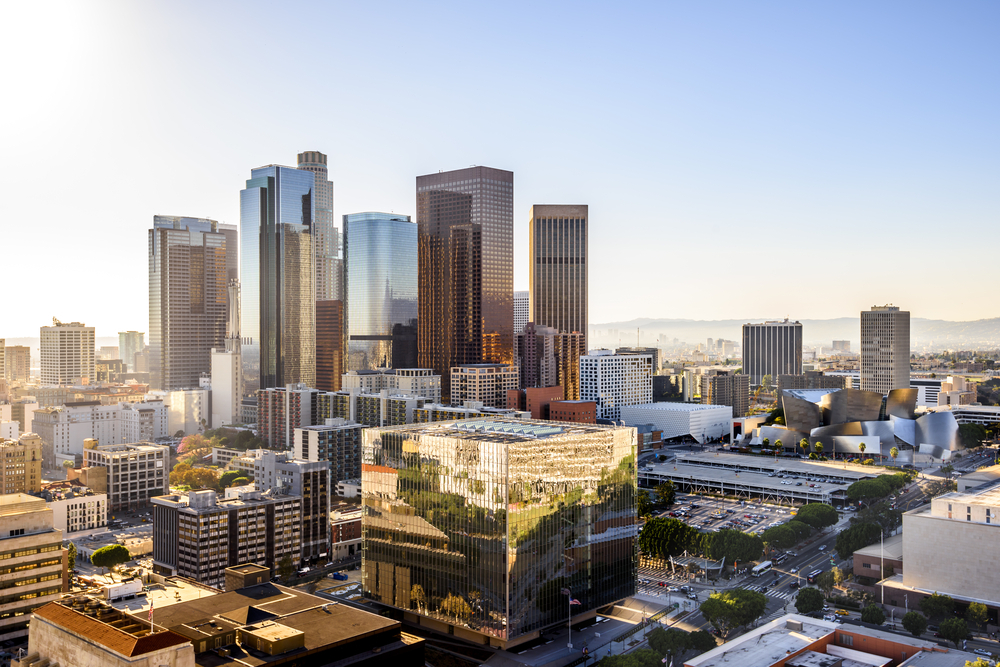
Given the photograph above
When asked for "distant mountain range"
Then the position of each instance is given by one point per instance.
(924, 333)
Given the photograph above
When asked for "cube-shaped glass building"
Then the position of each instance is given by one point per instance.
(480, 527)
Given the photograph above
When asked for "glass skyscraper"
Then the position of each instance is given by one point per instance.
(380, 257)
(557, 268)
(277, 278)
(188, 298)
(465, 242)
(326, 236)
(481, 524)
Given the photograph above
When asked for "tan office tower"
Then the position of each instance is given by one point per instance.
(885, 349)
(325, 235)
(3, 359)
(67, 353)
(557, 267)
(465, 265)
(18, 364)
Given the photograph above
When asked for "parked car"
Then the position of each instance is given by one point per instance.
(842, 612)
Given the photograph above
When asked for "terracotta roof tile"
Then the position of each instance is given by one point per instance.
(101, 633)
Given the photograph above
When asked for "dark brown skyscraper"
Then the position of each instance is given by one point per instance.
(465, 250)
(557, 267)
(329, 344)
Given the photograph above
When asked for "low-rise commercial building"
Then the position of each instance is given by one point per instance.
(581, 412)
(64, 429)
(74, 506)
(134, 473)
(536, 400)
(677, 420)
(345, 527)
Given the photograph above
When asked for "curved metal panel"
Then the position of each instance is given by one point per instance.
(935, 451)
(883, 431)
(851, 405)
(789, 437)
(902, 403)
(801, 415)
(905, 429)
(939, 429)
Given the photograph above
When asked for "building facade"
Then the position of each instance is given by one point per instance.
(278, 295)
(67, 353)
(130, 343)
(281, 410)
(326, 237)
(885, 349)
(614, 380)
(63, 430)
(329, 344)
(483, 383)
(403, 381)
(677, 420)
(337, 442)
(21, 464)
(197, 535)
(465, 241)
(188, 291)
(17, 363)
(725, 388)
(34, 564)
(557, 267)
(521, 310)
(188, 410)
(492, 571)
(548, 358)
(133, 473)
(772, 348)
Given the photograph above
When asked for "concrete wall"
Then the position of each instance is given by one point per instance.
(952, 556)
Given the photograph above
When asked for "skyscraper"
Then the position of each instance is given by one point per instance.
(67, 353)
(724, 388)
(187, 299)
(548, 358)
(772, 348)
(276, 278)
(885, 349)
(326, 236)
(18, 362)
(521, 310)
(130, 342)
(557, 267)
(380, 256)
(329, 344)
(466, 269)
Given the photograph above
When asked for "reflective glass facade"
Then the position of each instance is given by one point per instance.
(480, 523)
(326, 236)
(276, 276)
(466, 269)
(557, 269)
(380, 253)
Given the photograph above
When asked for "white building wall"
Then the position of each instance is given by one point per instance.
(9, 430)
(227, 388)
(81, 513)
(185, 408)
(613, 381)
(702, 422)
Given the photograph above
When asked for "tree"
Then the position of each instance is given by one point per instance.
(765, 443)
(662, 538)
(110, 556)
(733, 545)
(914, 623)
(71, 557)
(977, 614)
(873, 614)
(417, 596)
(455, 605)
(804, 444)
(227, 478)
(240, 481)
(701, 641)
(817, 515)
(937, 606)
(862, 447)
(672, 642)
(979, 662)
(643, 505)
(954, 630)
(765, 383)
(778, 445)
(826, 581)
(665, 493)
(818, 448)
(733, 608)
(69, 464)
(972, 435)
(894, 452)
(838, 575)
(857, 537)
(179, 434)
(286, 568)
(808, 600)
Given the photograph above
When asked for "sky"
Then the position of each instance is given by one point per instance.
(808, 160)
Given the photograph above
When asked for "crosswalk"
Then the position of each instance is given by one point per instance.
(783, 595)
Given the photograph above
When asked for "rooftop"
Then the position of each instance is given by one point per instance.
(19, 503)
(891, 547)
(768, 644)
(677, 407)
(502, 428)
(98, 624)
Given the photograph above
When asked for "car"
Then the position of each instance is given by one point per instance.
(822, 547)
(793, 570)
(692, 596)
(982, 651)
(842, 612)
(673, 589)
(663, 583)
(793, 585)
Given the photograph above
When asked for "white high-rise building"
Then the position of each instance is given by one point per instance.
(615, 380)
(396, 381)
(227, 368)
(64, 429)
(885, 349)
(521, 301)
(67, 353)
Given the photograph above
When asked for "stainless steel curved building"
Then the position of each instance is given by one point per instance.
(380, 262)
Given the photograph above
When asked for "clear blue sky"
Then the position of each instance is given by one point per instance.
(739, 158)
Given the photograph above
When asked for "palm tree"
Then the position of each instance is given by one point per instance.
(894, 452)
(819, 448)
(862, 448)
(804, 444)
(777, 448)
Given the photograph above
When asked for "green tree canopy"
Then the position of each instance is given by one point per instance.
(808, 600)
(780, 537)
(665, 494)
(286, 567)
(817, 515)
(672, 642)
(734, 608)
(733, 545)
(71, 557)
(643, 505)
(972, 435)
(227, 478)
(954, 630)
(857, 537)
(643, 657)
(977, 614)
(110, 556)
(937, 606)
(665, 537)
(873, 614)
(826, 581)
(701, 641)
(915, 623)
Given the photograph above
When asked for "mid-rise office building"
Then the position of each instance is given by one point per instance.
(17, 366)
(278, 295)
(725, 388)
(491, 573)
(67, 354)
(483, 383)
(535, 400)
(188, 290)
(548, 358)
(21, 464)
(521, 310)
(281, 410)
(329, 344)
(465, 239)
(75, 507)
(129, 344)
(557, 267)
(380, 260)
(842, 346)
(654, 352)
(371, 409)
(885, 349)
(337, 442)
(431, 412)
(615, 380)
(65, 429)
(281, 474)
(198, 535)
(326, 237)
(772, 348)
(130, 474)
(397, 381)
(34, 562)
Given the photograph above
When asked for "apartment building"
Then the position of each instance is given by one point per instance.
(64, 429)
(21, 464)
(337, 442)
(407, 381)
(484, 383)
(280, 410)
(614, 380)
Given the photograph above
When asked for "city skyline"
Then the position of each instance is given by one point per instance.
(773, 131)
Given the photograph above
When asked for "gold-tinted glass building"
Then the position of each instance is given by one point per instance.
(465, 261)
(474, 527)
(557, 267)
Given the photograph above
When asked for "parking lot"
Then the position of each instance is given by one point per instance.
(708, 513)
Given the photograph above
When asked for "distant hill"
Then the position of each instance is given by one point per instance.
(924, 333)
